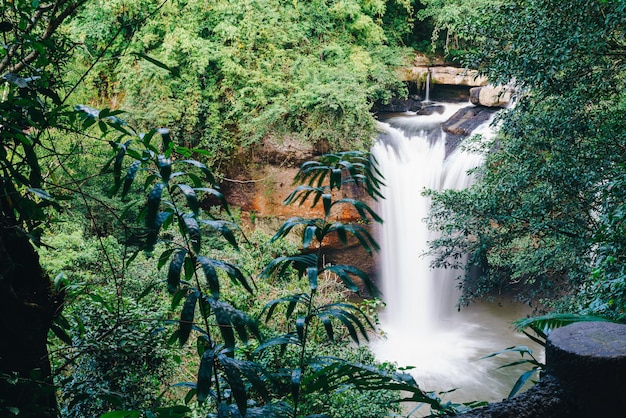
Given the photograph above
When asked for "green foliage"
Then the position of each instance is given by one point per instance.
(234, 375)
(227, 74)
(450, 20)
(531, 222)
(123, 359)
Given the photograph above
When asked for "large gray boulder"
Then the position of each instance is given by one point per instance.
(491, 96)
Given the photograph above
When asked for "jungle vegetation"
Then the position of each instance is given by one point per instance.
(123, 292)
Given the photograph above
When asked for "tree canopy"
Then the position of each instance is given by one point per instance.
(225, 74)
(536, 218)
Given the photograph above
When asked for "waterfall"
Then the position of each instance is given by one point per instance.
(427, 90)
(420, 322)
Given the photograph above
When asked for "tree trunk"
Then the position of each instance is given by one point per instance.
(27, 309)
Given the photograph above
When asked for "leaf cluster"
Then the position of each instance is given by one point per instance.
(530, 222)
(227, 74)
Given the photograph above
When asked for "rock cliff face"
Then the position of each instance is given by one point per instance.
(265, 179)
(443, 75)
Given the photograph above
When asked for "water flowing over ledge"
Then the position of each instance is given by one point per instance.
(421, 324)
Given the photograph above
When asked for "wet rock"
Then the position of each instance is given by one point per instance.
(398, 105)
(544, 400)
(431, 109)
(463, 123)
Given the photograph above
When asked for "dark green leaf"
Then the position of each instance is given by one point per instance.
(61, 334)
(223, 227)
(344, 272)
(130, 177)
(164, 257)
(165, 168)
(282, 340)
(190, 195)
(235, 382)
(308, 235)
(154, 202)
(312, 275)
(186, 317)
(300, 328)
(173, 274)
(205, 375)
(296, 378)
(279, 265)
(174, 71)
(521, 380)
(193, 232)
(327, 200)
(211, 276)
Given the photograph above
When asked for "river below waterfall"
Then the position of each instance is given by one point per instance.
(421, 326)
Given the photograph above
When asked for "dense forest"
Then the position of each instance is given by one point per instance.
(130, 287)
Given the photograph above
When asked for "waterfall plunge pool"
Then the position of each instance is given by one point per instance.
(421, 326)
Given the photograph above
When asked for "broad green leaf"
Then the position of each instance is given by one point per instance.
(312, 275)
(154, 202)
(279, 265)
(61, 333)
(224, 321)
(175, 269)
(291, 299)
(281, 340)
(174, 71)
(345, 273)
(205, 170)
(165, 168)
(117, 166)
(164, 257)
(327, 200)
(328, 326)
(224, 228)
(296, 379)
(190, 196)
(211, 276)
(521, 380)
(193, 232)
(308, 235)
(130, 177)
(235, 382)
(363, 209)
(187, 317)
(205, 375)
(300, 328)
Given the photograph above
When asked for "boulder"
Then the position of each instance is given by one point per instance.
(398, 105)
(584, 377)
(589, 358)
(463, 123)
(491, 96)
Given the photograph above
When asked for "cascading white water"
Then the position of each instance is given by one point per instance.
(421, 324)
